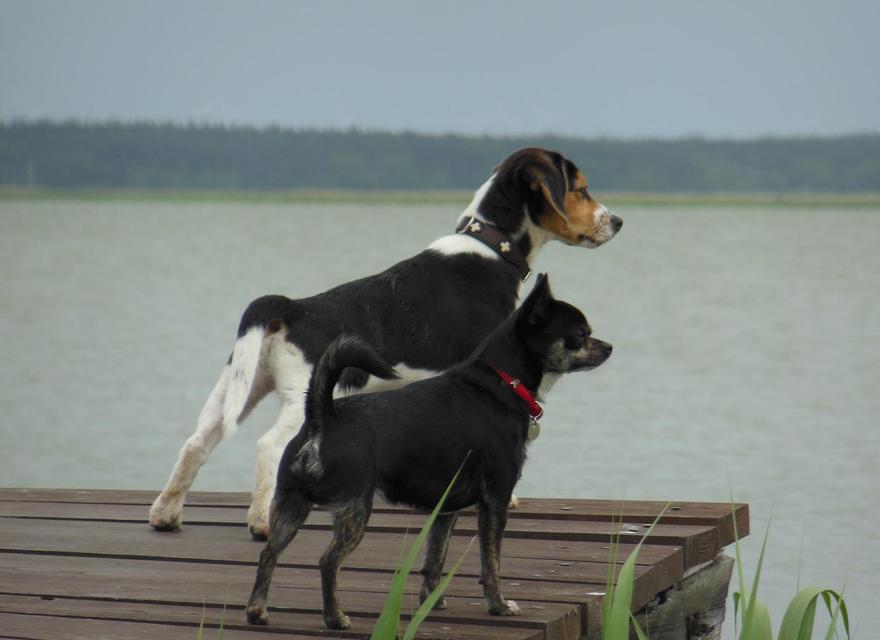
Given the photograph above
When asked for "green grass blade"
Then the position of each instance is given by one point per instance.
(759, 623)
(388, 623)
(618, 614)
(200, 634)
(797, 623)
(839, 612)
(754, 609)
(800, 615)
(616, 625)
(435, 595)
(637, 628)
(610, 574)
(739, 570)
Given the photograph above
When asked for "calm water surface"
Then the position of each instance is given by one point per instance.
(747, 356)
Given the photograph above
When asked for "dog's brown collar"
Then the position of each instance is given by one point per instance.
(498, 241)
(535, 408)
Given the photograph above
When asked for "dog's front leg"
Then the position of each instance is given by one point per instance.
(492, 520)
(165, 514)
(435, 556)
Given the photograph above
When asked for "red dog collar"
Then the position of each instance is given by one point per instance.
(535, 408)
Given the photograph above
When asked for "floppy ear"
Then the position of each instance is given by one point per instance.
(549, 179)
(535, 307)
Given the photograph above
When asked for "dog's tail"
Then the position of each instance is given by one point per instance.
(244, 367)
(345, 351)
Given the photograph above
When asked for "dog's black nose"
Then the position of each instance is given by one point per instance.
(616, 222)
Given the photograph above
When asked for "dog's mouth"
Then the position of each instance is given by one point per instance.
(608, 227)
(595, 356)
(586, 367)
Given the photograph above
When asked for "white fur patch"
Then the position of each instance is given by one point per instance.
(458, 244)
(547, 383)
(289, 369)
(243, 371)
(603, 217)
(473, 209)
(407, 375)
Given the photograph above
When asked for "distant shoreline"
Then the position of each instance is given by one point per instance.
(433, 197)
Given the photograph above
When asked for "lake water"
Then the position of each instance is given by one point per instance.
(746, 356)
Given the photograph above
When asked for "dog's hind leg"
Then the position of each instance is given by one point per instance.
(288, 514)
(435, 556)
(270, 446)
(349, 523)
(216, 421)
(290, 374)
(165, 514)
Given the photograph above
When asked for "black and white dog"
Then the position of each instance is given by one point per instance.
(408, 443)
(423, 315)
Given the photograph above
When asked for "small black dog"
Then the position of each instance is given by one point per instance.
(408, 444)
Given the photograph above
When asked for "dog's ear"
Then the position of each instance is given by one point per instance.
(548, 178)
(536, 306)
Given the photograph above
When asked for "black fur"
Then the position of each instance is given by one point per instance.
(429, 311)
(344, 353)
(408, 444)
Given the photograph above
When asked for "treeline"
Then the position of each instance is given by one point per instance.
(74, 155)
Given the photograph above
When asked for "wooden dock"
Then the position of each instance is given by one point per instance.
(85, 565)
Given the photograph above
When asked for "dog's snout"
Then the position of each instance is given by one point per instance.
(616, 223)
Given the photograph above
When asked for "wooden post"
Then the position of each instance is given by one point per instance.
(694, 608)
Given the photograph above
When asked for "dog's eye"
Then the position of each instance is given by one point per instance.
(585, 193)
(576, 340)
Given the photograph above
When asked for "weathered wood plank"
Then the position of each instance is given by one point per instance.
(635, 511)
(34, 627)
(232, 618)
(226, 545)
(699, 542)
(387, 542)
(362, 595)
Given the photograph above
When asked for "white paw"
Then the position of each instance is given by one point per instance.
(165, 517)
(512, 609)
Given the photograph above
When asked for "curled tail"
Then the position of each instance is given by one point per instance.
(345, 351)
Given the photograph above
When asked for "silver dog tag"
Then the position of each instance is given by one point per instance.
(534, 430)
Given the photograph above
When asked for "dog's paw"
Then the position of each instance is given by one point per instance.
(338, 621)
(164, 519)
(514, 502)
(505, 608)
(440, 605)
(426, 592)
(259, 534)
(257, 614)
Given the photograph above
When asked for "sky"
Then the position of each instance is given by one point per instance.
(629, 69)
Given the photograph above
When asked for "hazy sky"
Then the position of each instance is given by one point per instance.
(626, 68)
